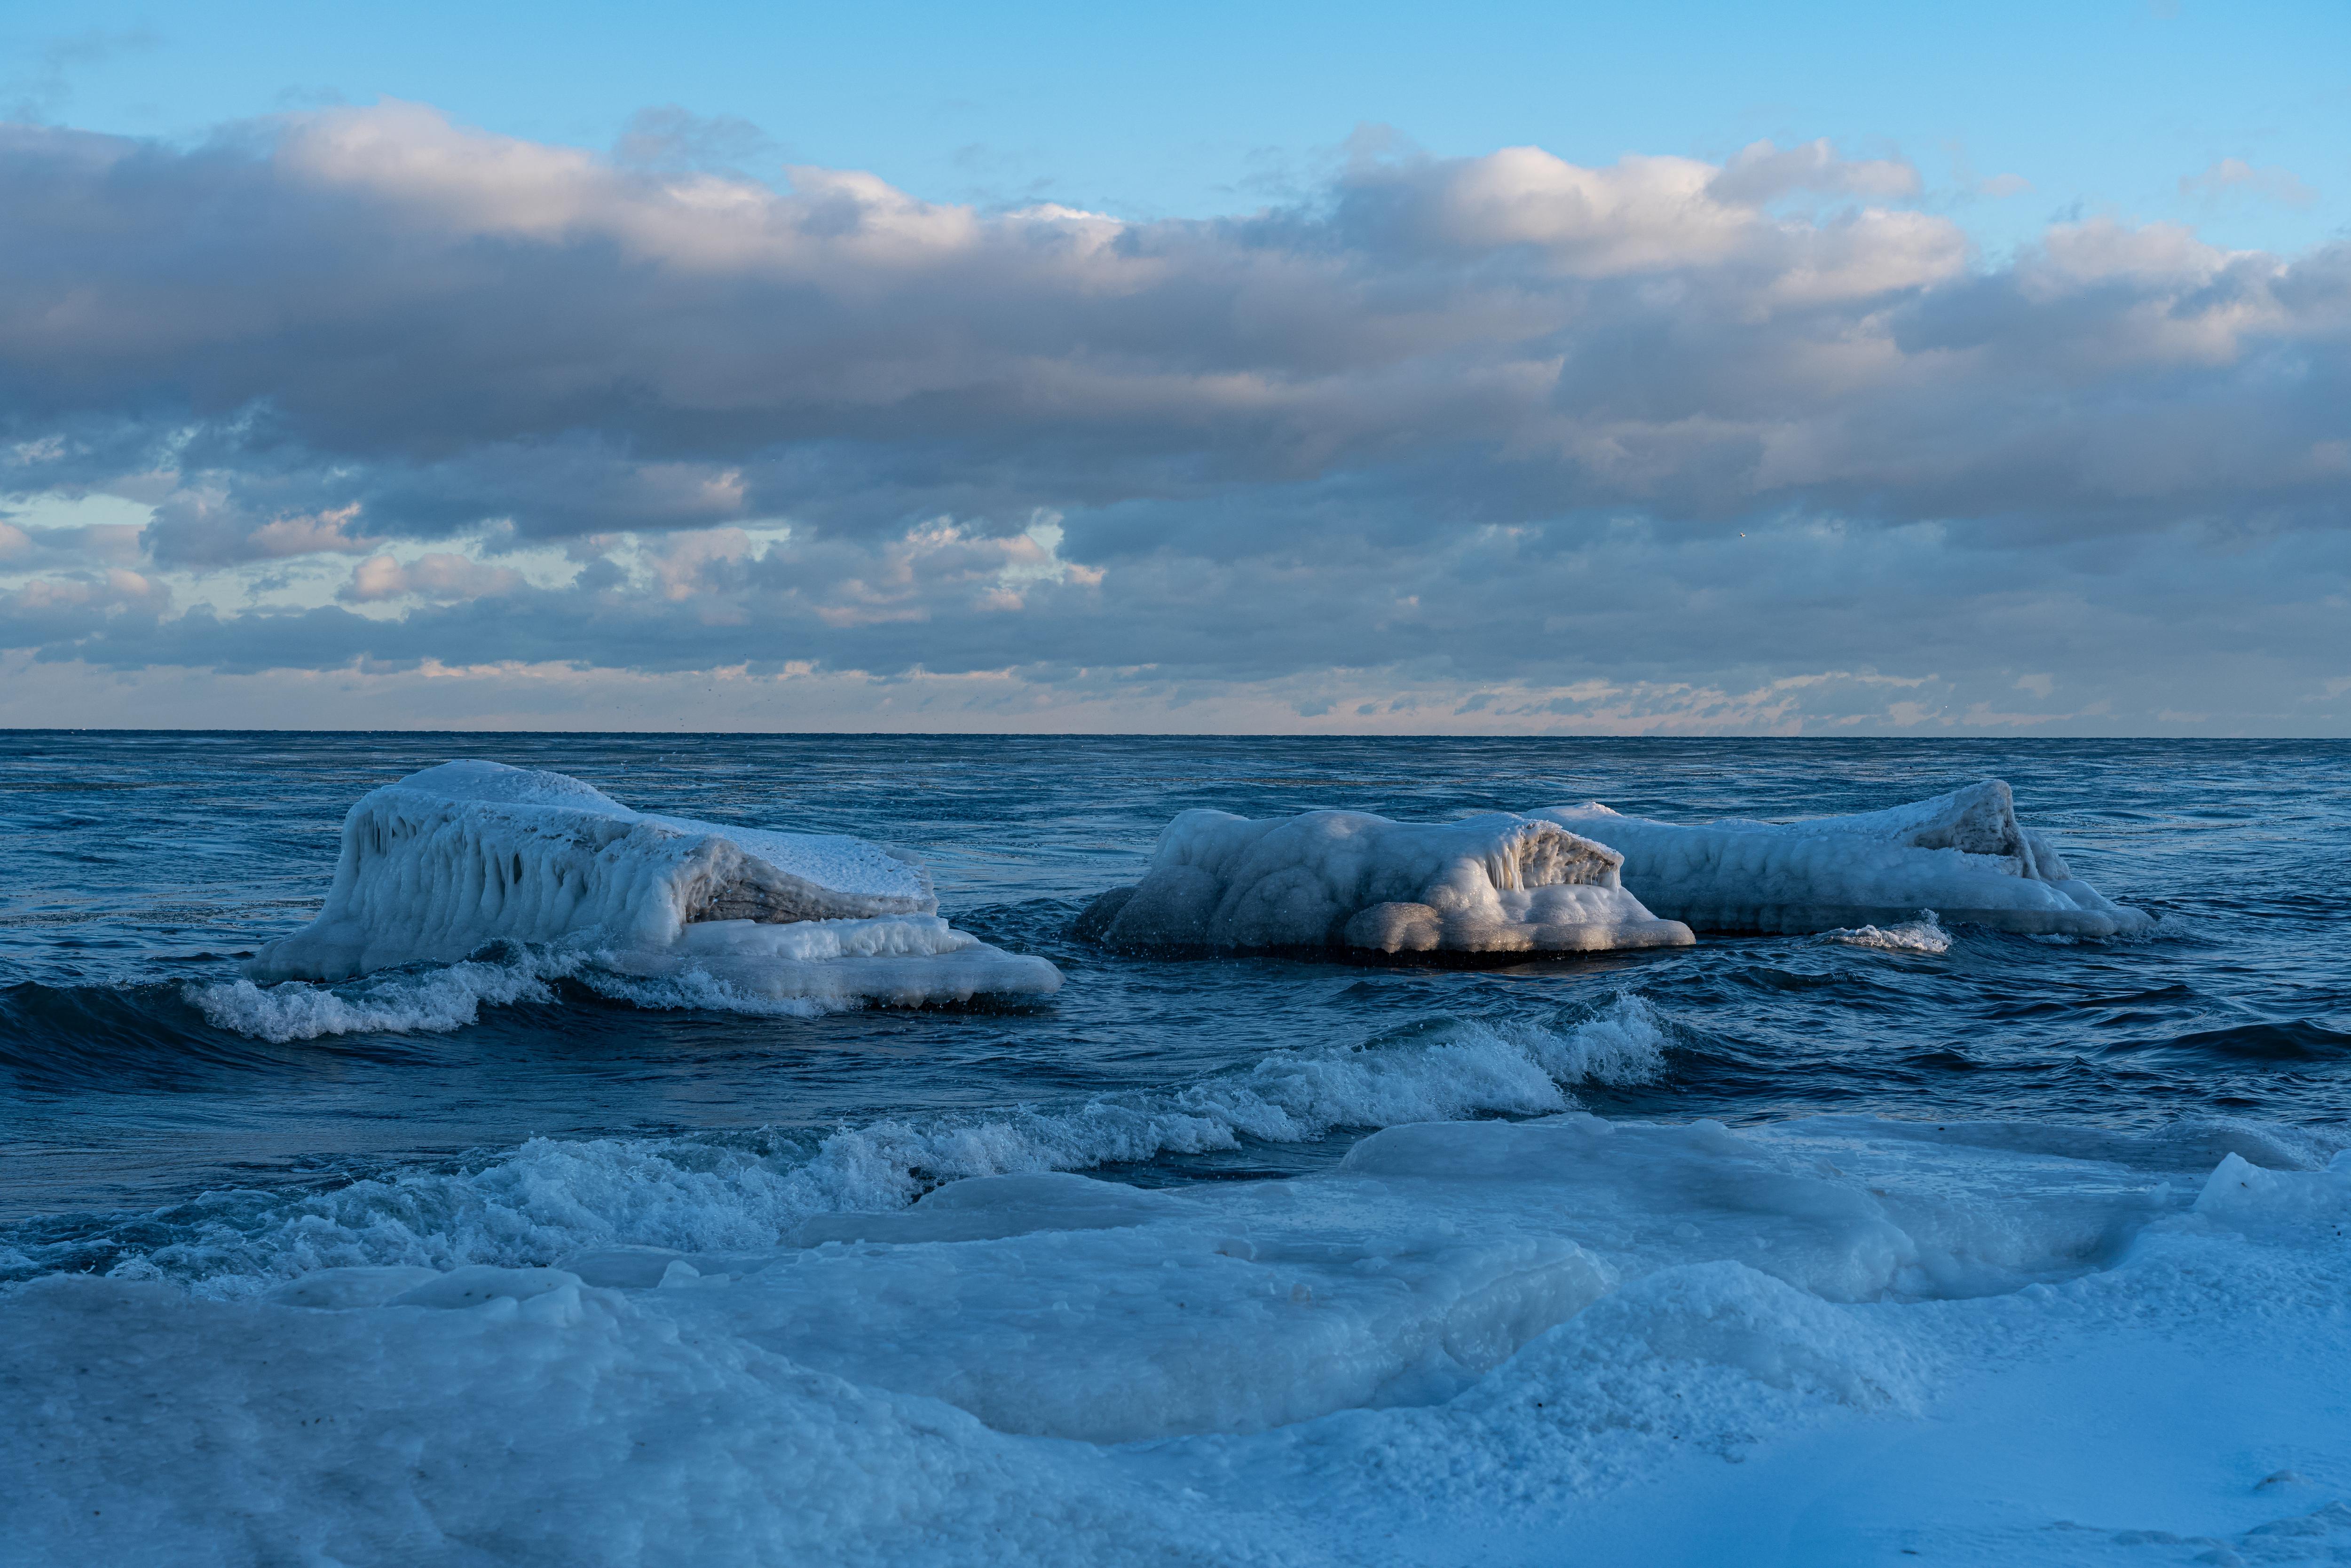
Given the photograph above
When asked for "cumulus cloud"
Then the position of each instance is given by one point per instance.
(1501, 422)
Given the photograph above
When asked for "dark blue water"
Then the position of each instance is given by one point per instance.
(132, 866)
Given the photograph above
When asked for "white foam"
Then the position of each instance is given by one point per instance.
(1921, 936)
(1963, 855)
(1491, 884)
(436, 866)
(430, 1001)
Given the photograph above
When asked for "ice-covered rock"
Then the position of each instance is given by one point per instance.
(1962, 855)
(444, 860)
(1489, 885)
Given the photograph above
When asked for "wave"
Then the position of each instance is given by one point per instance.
(434, 999)
(2297, 1040)
(437, 998)
(1919, 935)
(718, 1192)
(441, 998)
(59, 1038)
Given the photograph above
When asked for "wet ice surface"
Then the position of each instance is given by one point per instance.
(1805, 1248)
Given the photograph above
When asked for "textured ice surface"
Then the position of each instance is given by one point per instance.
(1833, 1340)
(443, 861)
(1962, 855)
(1491, 884)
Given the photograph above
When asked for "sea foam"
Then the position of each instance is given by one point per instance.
(1921, 936)
(433, 998)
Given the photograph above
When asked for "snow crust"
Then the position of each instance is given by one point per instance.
(1489, 885)
(445, 860)
(1470, 1342)
(1963, 855)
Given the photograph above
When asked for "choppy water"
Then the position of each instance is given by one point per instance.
(152, 1119)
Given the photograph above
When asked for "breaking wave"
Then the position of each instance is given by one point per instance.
(1919, 935)
(718, 1192)
(427, 999)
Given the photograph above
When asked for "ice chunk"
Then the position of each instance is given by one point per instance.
(2244, 1197)
(1492, 884)
(444, 860)
(1962, 855)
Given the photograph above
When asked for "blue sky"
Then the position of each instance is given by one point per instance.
(1675, 369)
(2102, 105)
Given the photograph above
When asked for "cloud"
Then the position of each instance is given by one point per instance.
(2233, 176)
(41, 85)
(1762, 172)
(1502, 424)
(90, 543)
(435, 575)
(670, 140)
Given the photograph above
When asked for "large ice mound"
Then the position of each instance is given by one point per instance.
(469, 852)
(1963, 855)
(1489, 885)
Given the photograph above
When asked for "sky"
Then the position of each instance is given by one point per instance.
(1683, 368)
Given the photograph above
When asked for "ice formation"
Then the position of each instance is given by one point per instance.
(1962, 855)
(1488, 1342)
(443, 861)
(1490, 885)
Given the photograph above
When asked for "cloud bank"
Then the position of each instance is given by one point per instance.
(365, 401)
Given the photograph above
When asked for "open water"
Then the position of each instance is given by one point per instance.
(135, 868)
